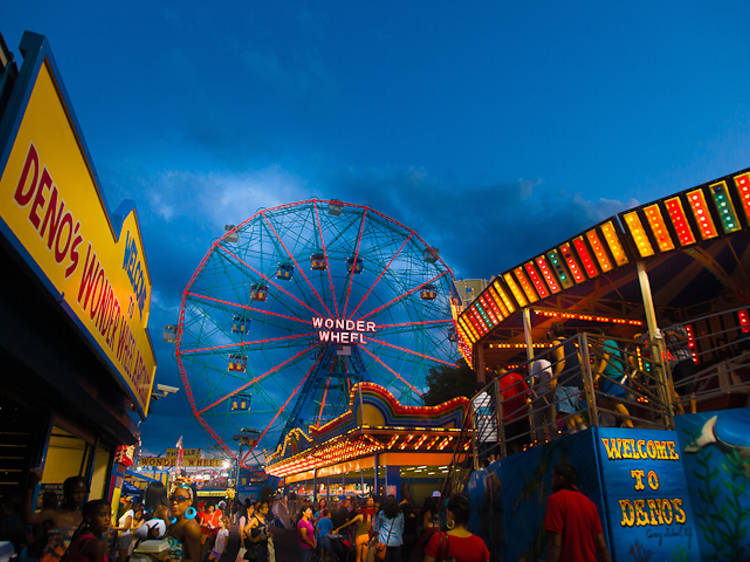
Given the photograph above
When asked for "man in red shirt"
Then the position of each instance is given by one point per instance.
(572, 522)
(515, 393)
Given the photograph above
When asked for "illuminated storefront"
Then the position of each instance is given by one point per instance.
(78, 364)
(377, 445)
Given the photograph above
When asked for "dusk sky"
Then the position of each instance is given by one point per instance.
(493, 129)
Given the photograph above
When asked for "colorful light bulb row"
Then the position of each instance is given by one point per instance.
(744, 319)
(742, 181)
(503, 296)
(679, 221)
(557, 265)
(638, 234)
(487, 316)
(614, 244)
(587, 317)
(549, 277)
(499, 302)
(484, 302)
(697, 202)
(573, 266)
(536, 280)
(586, 260)
(691, 343)
(515, 289)
(528, 290)
(599, 251)
(519, 345)
(658, 228)
(493, 304)
(727, 215)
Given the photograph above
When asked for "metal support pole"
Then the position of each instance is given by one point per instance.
(588, 379)
(499, 418)
(658, 350)
(480, 366)
(474, 434)
(527, 334)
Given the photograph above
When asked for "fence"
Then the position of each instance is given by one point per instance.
(592, 379)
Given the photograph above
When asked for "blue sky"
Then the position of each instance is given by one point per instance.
(492, 129)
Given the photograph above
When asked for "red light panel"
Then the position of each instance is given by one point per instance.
(744, 319)
(549, 277)
(742, 182)
(538, 283)
(679, 221)
(702, 216)
(575, 269)
(586, 260)
(691, 343)
(599, 251)
(525, 284)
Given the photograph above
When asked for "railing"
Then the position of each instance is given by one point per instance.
(598, 380)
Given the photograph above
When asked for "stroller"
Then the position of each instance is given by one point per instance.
(341, 547)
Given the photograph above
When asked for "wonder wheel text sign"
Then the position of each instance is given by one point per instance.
(342, 331)
(53, 213)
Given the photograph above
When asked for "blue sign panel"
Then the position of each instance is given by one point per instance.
(646, 498)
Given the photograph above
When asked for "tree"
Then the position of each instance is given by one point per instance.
(446, 382)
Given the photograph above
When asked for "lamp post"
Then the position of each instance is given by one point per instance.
(246, 438)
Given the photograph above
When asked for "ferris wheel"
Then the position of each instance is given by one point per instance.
(295, 305)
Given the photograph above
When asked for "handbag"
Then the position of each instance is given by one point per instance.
(382, 548)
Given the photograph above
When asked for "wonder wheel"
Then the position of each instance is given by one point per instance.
(296, 304)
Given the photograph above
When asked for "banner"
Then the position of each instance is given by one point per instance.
(53, 212)
(172, 461)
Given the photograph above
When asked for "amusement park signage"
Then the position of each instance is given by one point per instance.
(648, 505)
(342, 331)
(53, 213)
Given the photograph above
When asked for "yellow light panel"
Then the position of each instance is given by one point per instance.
(515, 289)
(525, 284)
(599, 251)
(639, 234)
(613, 242)
(504, 296)
(702, 216)
(658, 228)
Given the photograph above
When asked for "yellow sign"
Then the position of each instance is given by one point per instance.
(172, 461)
(186, 453)
(51, 203)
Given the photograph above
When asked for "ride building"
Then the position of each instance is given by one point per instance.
(77, 360)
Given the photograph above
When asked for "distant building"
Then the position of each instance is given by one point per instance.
(468, 289)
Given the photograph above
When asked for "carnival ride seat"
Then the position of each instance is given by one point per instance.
(239, 323)
(318, 262)
(350, 265)
(430, 255)
(428, 293)
(284, 271)
(259, 293)
(241, 402)
(237, 363)
(335, 207)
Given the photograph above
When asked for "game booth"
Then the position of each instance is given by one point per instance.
(629, 344)
(377, 446)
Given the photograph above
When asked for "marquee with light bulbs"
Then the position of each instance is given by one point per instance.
(715, 209)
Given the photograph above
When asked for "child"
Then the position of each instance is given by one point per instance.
(323, 527)
(221, 539)
(87, 544)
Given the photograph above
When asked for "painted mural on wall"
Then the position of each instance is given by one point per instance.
(716, 455)
(509, 497)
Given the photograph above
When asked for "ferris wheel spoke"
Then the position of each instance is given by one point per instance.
(302, 272)
(394, 373)
(260, 377)
(416, 323)
(266, 278)
(323, 402)
(367, 294)
(285, 404)
(401, 296)
(237, 305)
(354, 265)
(243, 344)
(412, 352)
(325, 255)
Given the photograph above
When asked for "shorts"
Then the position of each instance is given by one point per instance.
(123, 541)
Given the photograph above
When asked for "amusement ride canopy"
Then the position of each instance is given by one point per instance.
(299, 302)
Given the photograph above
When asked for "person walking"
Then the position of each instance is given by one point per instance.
(572, 522)
(389, 527)
(458, 543)
(306, 535)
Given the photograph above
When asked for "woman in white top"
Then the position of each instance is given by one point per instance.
(124, 533)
